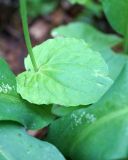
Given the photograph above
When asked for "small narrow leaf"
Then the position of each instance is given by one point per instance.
(62, 110)
(79, 1)
(41, 7)
(69, 73)
(15, 144)
(117, 14)
(93, 6)
(13, 107)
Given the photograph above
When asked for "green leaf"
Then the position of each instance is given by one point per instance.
(41, 7)
(93, 6)
(117, 14)
(98, 41)
(95, 38)
(12, 107)
(62, 110)
(69, 74)
(98, 132)
(79, 1)
(15, 144)
(114, 61)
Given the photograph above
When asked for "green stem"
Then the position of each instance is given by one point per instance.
(126, 42)
(23, 10)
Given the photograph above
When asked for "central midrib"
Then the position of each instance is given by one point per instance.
(5, 155)
(10, 97)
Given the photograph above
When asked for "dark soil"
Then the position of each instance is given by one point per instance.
(12, 45)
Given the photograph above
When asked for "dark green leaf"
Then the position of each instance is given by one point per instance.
(98, 132)
(41, 7)
(94, 7)
(117, 14)
(62, 110)
(15, 144)
(12, 107)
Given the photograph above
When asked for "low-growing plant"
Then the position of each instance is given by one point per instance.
(76, 84)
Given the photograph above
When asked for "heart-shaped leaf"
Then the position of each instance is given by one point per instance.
(12, 107)
(69, 73)
(15, 144)
(117, 14)
(97, 40)
(98, 132)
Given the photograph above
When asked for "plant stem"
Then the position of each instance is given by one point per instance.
(23, 10)
(126, 41)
